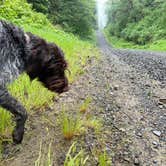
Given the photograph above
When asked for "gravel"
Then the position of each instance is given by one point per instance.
(138, 81)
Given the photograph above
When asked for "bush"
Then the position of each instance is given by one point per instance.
(21, 13)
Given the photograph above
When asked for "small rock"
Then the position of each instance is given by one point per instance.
(127, 159)
(162, 101)
(155, 161)
(161, 106)
(139, 134)
(116, 87)
(122, 129)
(157, 133)
(154, 143)
(147, 85)
(136, 162)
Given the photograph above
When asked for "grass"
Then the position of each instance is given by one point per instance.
(71, 126)
(93, 123)
(44, 160)
(103, 159)
(75, 159)
(85, 104)
(121, 43)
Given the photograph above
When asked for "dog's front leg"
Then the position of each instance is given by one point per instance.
(12, 105)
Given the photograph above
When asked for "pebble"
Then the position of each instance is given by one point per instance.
(155, 161)
(154, 143)
(136, 162)
(139, 134)
(161, 106)
(116, 87)
(157, 133)
(122, 129)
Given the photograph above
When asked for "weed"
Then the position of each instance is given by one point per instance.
(85, 104)
(103, 159)
(5, 122)
(31, 94)
(71, 126)
(38, 161)
(93, 123)
(75, 160)
(48, 160)
(42, 160)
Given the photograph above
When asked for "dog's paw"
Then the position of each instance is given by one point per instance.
(18, 135)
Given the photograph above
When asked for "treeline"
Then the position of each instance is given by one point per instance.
(139, 21)
(76, 16)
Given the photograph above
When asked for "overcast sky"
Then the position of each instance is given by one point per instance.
(102, 18)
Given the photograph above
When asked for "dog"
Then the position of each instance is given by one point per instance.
(24, 52)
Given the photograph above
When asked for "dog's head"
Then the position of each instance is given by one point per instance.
(46, 62)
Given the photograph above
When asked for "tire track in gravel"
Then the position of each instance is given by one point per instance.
(138, 82)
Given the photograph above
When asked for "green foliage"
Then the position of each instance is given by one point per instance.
(76, 16)
(31, 94)
(5, 123)
(141, 22)
(85, 104)
(40, 5)
(121, 43)
(20, 13)
(73, 159)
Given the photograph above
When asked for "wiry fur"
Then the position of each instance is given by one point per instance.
(26, 52)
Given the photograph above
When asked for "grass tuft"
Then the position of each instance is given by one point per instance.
(44, 160)
(103, 159)
(71, 126)
(75, 159)
(85, 104)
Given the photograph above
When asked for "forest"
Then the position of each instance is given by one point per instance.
(140, 22)
(76, 16)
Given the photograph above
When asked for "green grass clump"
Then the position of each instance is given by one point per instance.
(5, 123)
(75, 159)
(31, 94)
(43, 160)
(103, 159)
(71, 126)
(85, 104)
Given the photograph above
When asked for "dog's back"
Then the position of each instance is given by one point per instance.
(11, 52)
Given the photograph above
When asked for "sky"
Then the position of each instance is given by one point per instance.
(102, 18)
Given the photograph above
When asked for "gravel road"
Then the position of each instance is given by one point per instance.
(138, 88)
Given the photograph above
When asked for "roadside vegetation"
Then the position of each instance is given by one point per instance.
(137, 24)
(32, 94)
(75, 16)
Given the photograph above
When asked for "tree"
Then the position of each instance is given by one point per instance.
(40, 5)
(76, 16)
(139, 21)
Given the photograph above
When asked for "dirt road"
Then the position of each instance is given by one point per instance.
(128, 91)
(138, 81)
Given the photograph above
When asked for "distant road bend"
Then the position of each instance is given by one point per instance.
(151, 62)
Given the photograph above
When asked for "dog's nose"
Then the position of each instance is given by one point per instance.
(66, 89)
